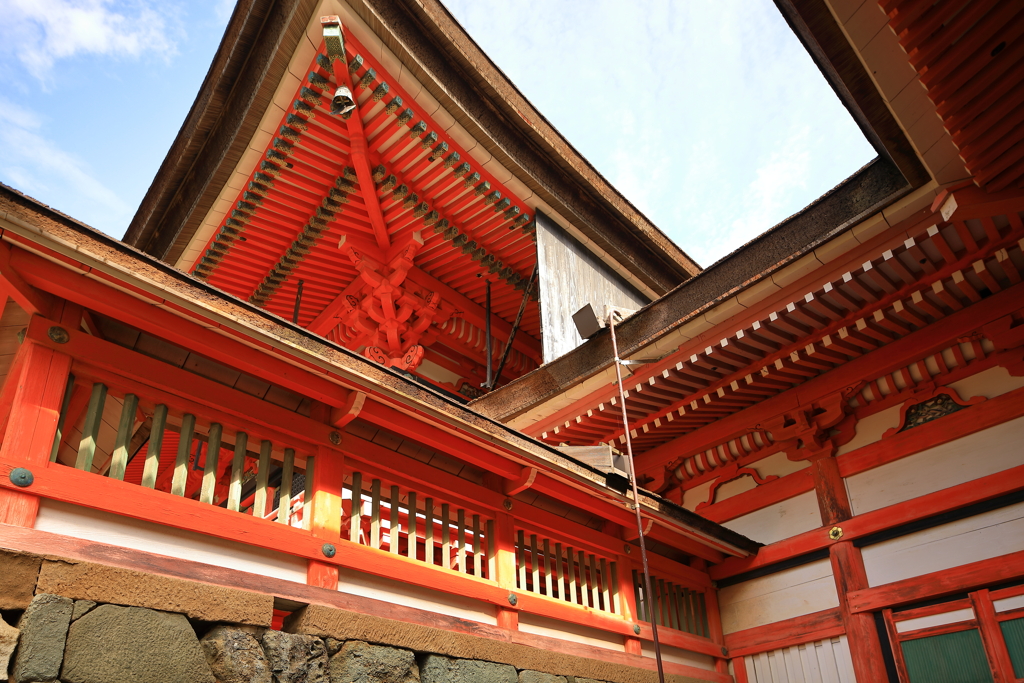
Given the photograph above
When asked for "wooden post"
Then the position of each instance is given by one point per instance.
(861, 634)
(32, 424)
(833, 501)
(505, 566)
(627, 599)
(992, 638)
(328, 477)
(714, 616)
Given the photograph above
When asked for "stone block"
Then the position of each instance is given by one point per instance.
(8, 641)
(235, 656)
(114, 644)
(18, 574)
(359, 662)
(201, 601)
(538, 677)
(438, 669)
(44, 628)
(295, 658)
(82, 607)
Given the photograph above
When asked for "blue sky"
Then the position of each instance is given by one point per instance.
(708, 116)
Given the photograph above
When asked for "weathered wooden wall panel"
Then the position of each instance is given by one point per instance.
(824, 661)
(976, 538)
(104, 527)
(779, 596)
(571, 277)
(781, 520)
(970, 457)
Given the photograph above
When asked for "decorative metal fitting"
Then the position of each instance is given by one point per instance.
(329, 550)
(512, 599)
(58, 335)
(335, 438)
(21, 477)
(725, 652)
(627, 548)
(507, 504)
(835, 533)
(636, 629)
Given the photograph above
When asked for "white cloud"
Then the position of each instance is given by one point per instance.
(37, 166)
(41, 32)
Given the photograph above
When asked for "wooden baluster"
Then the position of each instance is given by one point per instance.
(461, 547)
(492, 552)
(638, 596)
(478, 558)
(91, 428)
(595, 588)
(119, 458)
(559, 578)
(156, 443)
(411, 534)
(521, 560)
(259, 504)
(307, 493)
(428, 530)
(613, 578)
(393, 534)
(677, 607)
(210, 469)
(375, 513)
(604, 586)
(62, 417)
(284, 491)
(684, 610)
(446, 538)
(237, 466)
(547, 568)
(534, 568)
(188, 428)
(704, 630)
(571, 556)
(584, 590)
(356, 525)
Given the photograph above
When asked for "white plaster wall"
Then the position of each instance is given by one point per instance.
(396, 592)
(678, 656)
(552, 628)
(104, 527)
(782, 520)
(823, 661)
(976, 538)
(777, 597)
(970, 457)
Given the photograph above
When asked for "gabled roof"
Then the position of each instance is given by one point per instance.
(254, 57)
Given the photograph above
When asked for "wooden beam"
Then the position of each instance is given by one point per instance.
(797, 631)
(27, 296)
(962, 579)
(946, 500)
(861, 634)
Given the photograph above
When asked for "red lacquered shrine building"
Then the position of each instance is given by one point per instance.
(330, 382)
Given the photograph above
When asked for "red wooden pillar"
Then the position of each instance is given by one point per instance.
(627, 598)
(714, 616)
(32, 424)
(328, 477)
(505, 566)
(992, 638)
(833, 501)
(861, 634)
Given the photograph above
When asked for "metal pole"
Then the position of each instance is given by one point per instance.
(648, 593)
(487, 331)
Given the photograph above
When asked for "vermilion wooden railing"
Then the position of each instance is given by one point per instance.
(224, 463)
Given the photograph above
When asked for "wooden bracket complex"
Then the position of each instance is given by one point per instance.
(350, 411)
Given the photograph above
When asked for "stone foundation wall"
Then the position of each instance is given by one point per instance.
(74, 621)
